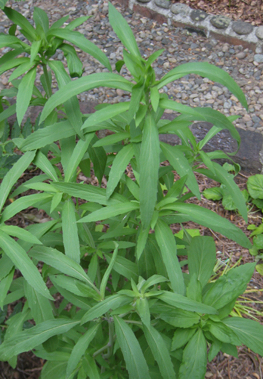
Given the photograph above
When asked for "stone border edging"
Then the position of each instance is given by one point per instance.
(218, 27)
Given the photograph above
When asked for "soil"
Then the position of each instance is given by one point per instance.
(246, 10)
(248, 364)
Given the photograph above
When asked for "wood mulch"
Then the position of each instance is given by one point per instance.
(246, 10)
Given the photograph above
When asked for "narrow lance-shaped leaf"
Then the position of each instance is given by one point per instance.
(159, 351)
(149, 167)
(194, 358)
(78, 153)
(167, 245)
(83, 43)
(61, 262)
(45, 136)
(41, 308)
(110, 211)
(108, 271)
(105, 114)
(201, 258)
(110, 303)
(202, 114)
(181, 165)
(211, 220)
(13, 175)
(249, 332)
(84, 84)
(205, 70)
(20, 233)
(123, 31)
(70, 231)
(30, 338)
(21, 260)
(45, 165)
(20, 20)
(120, 163)
(72, 107)
(80, 348)
(131, 350)
(25, 90)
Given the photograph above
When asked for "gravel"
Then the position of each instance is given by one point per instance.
(180, 47)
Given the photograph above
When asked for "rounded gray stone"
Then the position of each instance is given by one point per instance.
(198, 15)
(162, 3)
(258, 58)
(220, 22)
(259, 32)
(241, 55)
(144, 1)
(241, 27)
(179, 8)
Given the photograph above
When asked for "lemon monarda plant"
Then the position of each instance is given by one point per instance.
(130, 307)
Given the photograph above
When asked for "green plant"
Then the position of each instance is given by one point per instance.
(129, 308)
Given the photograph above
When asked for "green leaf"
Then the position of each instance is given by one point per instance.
(80, 348)
(30, 338)
(45, 136)
(181, 337)
(111, 302)
(120, 163)
(227, 179)
(142, 307)
(149, 167)
(177, 159)
(42, 162)
(110, 211)
(40, 306)
(179, 318)
(20, 20)
(54, 369)
(34, 50)
(124, 32)
(70, 231)
(249, 332)
(59, 261)
(201, 258)
(99, 158)
(255, 186)
(155, 97)
(5, 284)
(78, 153)
(194, 358)
(25, 90)
(214, 193)
(91, 369)
(72, 107)
(105, 278)
(40, 17)
(77, 22)
(182, 302)
(75, 66)
(88, 192)
(131, 350)
(124, 267)
(13, 175)
(112, 139)
(74, 286)
(20, 233)
(203, 114)
(23, 203)
(21, 260)
(229, 286)
(167, 245)
(223, 333)
(159, 351)
(105, 114)
(81, 42)
(84, 84)
(205, 70)
(21, 70)
(211, 220)
(10, 111)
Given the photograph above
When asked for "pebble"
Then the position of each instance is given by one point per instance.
(180, 46)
